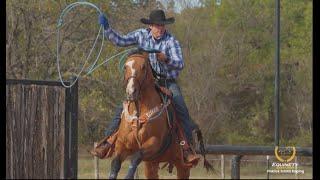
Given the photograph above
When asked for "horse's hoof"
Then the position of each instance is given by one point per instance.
(129, 177)
(113, 176)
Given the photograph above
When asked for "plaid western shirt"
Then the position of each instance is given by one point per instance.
(167, 44)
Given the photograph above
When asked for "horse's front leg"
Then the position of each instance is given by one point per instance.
(115, 167)
(135, 161)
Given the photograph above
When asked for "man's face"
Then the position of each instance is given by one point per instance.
(157, 30)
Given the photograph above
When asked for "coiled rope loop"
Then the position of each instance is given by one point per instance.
(101, 30)
(59, 26)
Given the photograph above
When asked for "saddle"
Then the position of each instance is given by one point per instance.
(175, 129)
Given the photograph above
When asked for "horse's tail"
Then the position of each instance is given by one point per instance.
(206, 163)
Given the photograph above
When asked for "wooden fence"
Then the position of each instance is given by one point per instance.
(41, 130)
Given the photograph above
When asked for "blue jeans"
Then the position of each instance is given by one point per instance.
(181, 109)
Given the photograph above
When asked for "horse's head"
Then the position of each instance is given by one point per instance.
(137, 75)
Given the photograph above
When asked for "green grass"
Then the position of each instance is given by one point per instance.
(247, 170)
(86, 170)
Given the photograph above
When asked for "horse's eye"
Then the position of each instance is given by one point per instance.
(143, 67)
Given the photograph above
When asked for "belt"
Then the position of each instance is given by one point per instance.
(162, 81)
(171, 80)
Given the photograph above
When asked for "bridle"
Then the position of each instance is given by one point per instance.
(134, 77)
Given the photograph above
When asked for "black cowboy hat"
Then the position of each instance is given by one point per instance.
(157, 17)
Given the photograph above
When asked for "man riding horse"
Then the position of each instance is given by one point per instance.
(168, 63)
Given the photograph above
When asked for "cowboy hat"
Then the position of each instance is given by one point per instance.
(157, 17)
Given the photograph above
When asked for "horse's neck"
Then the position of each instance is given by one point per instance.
(149, 98)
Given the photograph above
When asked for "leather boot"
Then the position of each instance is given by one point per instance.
(101, 151)
(105, 147)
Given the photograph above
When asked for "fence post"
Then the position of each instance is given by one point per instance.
(67, 143)
(71, 131)
(74, 129)
(6, 28)
(268, 157)
(222, 166)
(296, 167)
(96, 164)
(235, 167)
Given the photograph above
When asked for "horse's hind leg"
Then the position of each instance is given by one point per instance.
(135, 161)
(151, 170)
(183, 172)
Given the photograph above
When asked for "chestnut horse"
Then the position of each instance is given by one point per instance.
(144, 128)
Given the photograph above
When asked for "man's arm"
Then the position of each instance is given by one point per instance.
(116, 38)
(175, 58)
(122, 40)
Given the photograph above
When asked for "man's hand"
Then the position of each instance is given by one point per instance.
(162, 57)
(103, 21)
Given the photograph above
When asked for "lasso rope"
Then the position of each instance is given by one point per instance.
(92, 67)
(59, 25)
(124, 52)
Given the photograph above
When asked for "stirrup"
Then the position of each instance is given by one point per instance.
(194, 159)
(102, 150)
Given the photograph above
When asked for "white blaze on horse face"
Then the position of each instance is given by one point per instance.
(130, 85)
